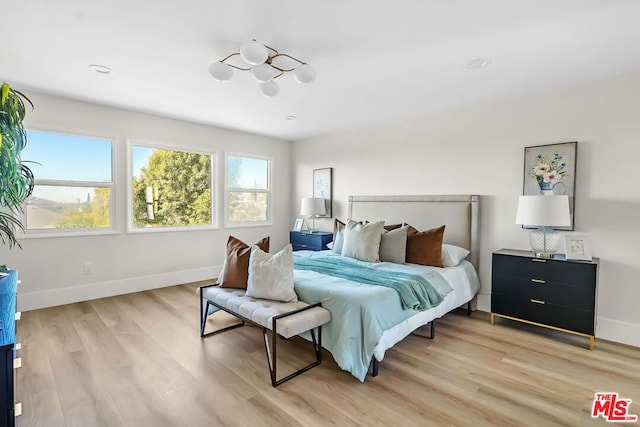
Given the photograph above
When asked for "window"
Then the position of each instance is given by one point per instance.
(170, 188)
(73, 182)
(248, 190)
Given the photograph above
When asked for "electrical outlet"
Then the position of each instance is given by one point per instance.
(88, 268)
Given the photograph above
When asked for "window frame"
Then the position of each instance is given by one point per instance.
(112, 186)
(213, 156)
(269, 191)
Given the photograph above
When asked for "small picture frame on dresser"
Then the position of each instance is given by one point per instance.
(297, 226)
(576, 247)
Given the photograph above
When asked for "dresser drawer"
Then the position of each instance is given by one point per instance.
(547, 314)
(547, 270)
(579, 297)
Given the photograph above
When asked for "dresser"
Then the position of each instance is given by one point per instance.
(553, 293)
(316, 241)
(8, 349)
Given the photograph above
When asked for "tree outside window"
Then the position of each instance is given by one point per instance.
(248, 189)
(171, 188)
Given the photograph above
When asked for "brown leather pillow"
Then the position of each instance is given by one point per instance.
(236, 265)
(425, 247)
(390, 227)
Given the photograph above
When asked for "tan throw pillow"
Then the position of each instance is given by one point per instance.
(271, 276)
(425, 247)
(393, 245)
(362, 241)
(235, 272)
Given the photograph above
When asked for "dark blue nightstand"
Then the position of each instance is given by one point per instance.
(310, 241)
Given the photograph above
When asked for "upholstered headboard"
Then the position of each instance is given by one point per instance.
(459, 213)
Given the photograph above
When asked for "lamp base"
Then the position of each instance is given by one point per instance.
(544, 255)
(545, 242)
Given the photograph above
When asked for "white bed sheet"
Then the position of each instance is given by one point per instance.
(464, 280)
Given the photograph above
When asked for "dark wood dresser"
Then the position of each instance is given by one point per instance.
(553, 293)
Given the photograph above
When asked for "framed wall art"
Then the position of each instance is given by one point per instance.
(551, 170)
(322, 189)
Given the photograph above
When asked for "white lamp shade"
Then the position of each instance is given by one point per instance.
(269, 88)
(545, 211)
(312, 206)
(305, 73)
(220, 71)
(253, 52)
(263, 72)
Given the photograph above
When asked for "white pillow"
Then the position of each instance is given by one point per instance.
(453, 255)
(338, 236)
(271, 275)
(362, 241)
(393, 245)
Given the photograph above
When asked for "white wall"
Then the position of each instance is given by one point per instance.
(479, 150)
(51, 269)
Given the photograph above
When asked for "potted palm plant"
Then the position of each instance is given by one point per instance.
(16, 178)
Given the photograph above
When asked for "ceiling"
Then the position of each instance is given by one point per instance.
(375, 60)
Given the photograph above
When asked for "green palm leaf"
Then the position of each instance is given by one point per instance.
(16, 178)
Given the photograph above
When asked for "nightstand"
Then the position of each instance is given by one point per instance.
(553, 293)
(310, 241)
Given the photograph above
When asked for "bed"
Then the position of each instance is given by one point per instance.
(369, 319)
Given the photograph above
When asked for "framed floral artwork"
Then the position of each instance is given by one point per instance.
(322, 188)
(551, 170)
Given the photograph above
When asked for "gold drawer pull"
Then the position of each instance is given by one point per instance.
(538, 281)
(538, 260)
(537, 301)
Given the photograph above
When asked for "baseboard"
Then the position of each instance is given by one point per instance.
(484, 302)
(53, 297)
(618, 331)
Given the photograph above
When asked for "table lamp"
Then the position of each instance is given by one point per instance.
(544, 212)
(312, 207)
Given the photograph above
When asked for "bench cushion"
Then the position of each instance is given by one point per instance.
(261, 311)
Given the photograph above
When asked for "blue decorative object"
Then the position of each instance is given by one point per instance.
(8, 287)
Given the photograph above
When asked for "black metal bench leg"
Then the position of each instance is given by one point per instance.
(374, 366)
(270, 347)
(203, 315)
(469, 308)
(432, 335)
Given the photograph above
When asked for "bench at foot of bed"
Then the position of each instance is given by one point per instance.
(285, 319)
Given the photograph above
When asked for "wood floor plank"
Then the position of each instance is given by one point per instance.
(138, 360)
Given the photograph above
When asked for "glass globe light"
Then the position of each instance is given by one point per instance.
(305, 73)
(263, 72)
(221, 71)
(253, 52)
(269, 88)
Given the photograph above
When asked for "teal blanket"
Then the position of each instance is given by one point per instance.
(360, 312)
(414, 290)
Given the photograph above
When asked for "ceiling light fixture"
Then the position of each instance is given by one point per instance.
(101, 69)
(265, 64)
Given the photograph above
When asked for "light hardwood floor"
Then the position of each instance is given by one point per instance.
(138, 360)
